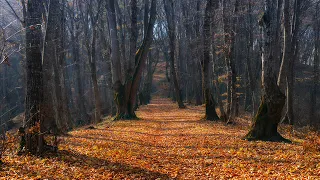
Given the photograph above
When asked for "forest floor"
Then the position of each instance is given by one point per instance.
(166, 143)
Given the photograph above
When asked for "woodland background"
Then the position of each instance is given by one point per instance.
(70, 63)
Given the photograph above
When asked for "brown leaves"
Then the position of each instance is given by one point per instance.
(167, 143)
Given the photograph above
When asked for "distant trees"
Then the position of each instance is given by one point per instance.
(90, 16)
(87, 59)
(169, 9)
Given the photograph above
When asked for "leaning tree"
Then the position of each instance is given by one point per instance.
(125, 89)
(266, 121)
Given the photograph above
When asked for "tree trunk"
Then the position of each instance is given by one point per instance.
(34, 90)
(93, 69)
(126, 93)
(65, 86)
(168, 6)
(50, 108)
(316, 61)
(250, 73)
(141, 57)
(266, 121)
(115, 61)
(231, 58)
(292, 57)
(133, 33)
(210, 113)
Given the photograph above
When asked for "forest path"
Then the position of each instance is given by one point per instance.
(166, 143)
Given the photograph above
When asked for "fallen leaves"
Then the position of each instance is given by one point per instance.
(167, 143)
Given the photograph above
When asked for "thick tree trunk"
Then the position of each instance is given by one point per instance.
(210, 113)
(115, 61)
(55, 105)
(34, 90)
(50, 108)
(140, 59)
(266, 121)
(126, 93)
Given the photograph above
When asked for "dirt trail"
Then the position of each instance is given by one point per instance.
(166, 143)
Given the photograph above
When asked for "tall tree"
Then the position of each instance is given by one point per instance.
(168, 6)
(34, 141)
(126, 92)
(133, 33)
(266, 121)
(249, 59)
(286, 74)
(210, 113)
(316, 61)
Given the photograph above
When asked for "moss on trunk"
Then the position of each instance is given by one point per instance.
(265, 123)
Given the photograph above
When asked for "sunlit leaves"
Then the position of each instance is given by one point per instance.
(167, 143)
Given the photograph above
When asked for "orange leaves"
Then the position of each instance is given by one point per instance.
(167, 143)
(312, 144)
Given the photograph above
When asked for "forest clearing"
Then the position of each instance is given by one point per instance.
(167, 143)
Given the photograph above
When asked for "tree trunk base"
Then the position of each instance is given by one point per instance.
(274, 138)
(182, 106)
(211, 114)
(265, 124)
(125, 117)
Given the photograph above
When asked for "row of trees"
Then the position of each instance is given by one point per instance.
(86, 59)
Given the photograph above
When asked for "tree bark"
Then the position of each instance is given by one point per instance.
(231, 58)
(316, 61)
(250, 73)
(126, 93)
(93, 69)
(292, 57)
(210, 113)
(168, 6)
(34, 89)
(266, 121)
(133, 33)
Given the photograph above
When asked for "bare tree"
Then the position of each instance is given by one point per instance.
(126, 92)
(210, 113)
(316, 60)
(34, 97)
(266, 121)
(168, 6)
